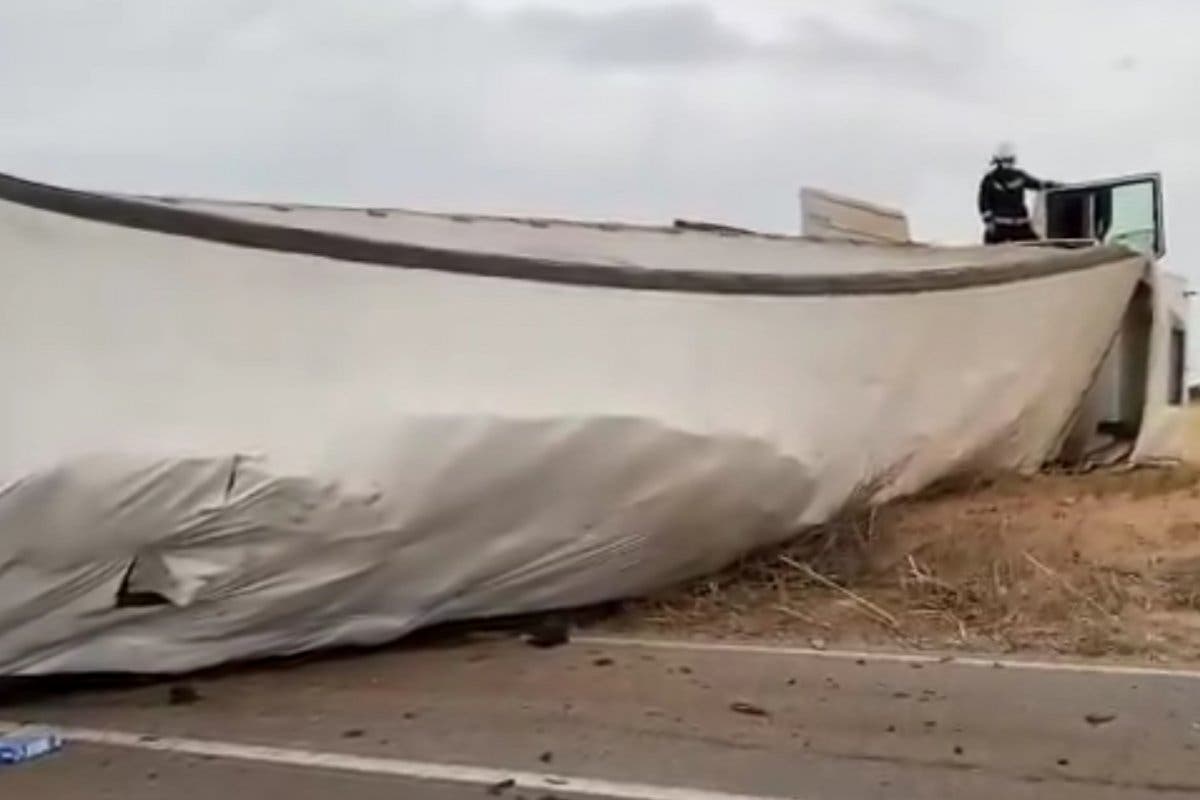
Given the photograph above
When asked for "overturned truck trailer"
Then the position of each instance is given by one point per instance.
(233, 431)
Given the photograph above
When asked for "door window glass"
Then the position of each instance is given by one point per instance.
(1132, 217)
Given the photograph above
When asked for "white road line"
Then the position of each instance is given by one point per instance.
(883, 656)
(392, 767)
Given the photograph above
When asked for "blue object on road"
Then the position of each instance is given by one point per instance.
(27, 744)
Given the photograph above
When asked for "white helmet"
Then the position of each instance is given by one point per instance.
(1006, 153)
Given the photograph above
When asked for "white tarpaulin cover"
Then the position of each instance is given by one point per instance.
(301, 431)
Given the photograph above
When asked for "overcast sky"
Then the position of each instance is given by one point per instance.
(633, 109)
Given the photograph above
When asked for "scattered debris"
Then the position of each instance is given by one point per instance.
(1100, 719)
(1064, 762)
(862, 662)
(546, 757)
(891, 728)
(929, 723)
(182, 695)
(354, 733)
(549, 632)
(603, 662)
(958, 751)
(685, 670)
(749, 709)
(901, 695)
(791, 682)
(497, 789)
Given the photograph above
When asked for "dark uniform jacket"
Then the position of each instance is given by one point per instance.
(1002, 195)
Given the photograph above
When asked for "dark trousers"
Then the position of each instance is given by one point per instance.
(999, 234)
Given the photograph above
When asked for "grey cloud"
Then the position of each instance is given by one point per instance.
(673, 34)
(935, 25)
(451, 105)
(941, 51)
(935, 50)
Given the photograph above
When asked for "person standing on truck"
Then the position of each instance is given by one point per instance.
(1002, 199)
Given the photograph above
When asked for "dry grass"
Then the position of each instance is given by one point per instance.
(1102, 564)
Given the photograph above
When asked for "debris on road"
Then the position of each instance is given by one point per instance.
(749, 709)
(546, 757)
(497, 789)
(182, 695)
(603, 662)
(354, 733)
(1100, 719)
(549, 632)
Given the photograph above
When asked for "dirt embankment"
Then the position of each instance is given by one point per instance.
(1099, 565)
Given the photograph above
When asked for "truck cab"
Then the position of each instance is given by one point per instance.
(1132, 407)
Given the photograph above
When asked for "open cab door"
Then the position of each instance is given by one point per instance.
(1126, 211)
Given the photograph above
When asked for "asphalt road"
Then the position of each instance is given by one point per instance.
(614, 721)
